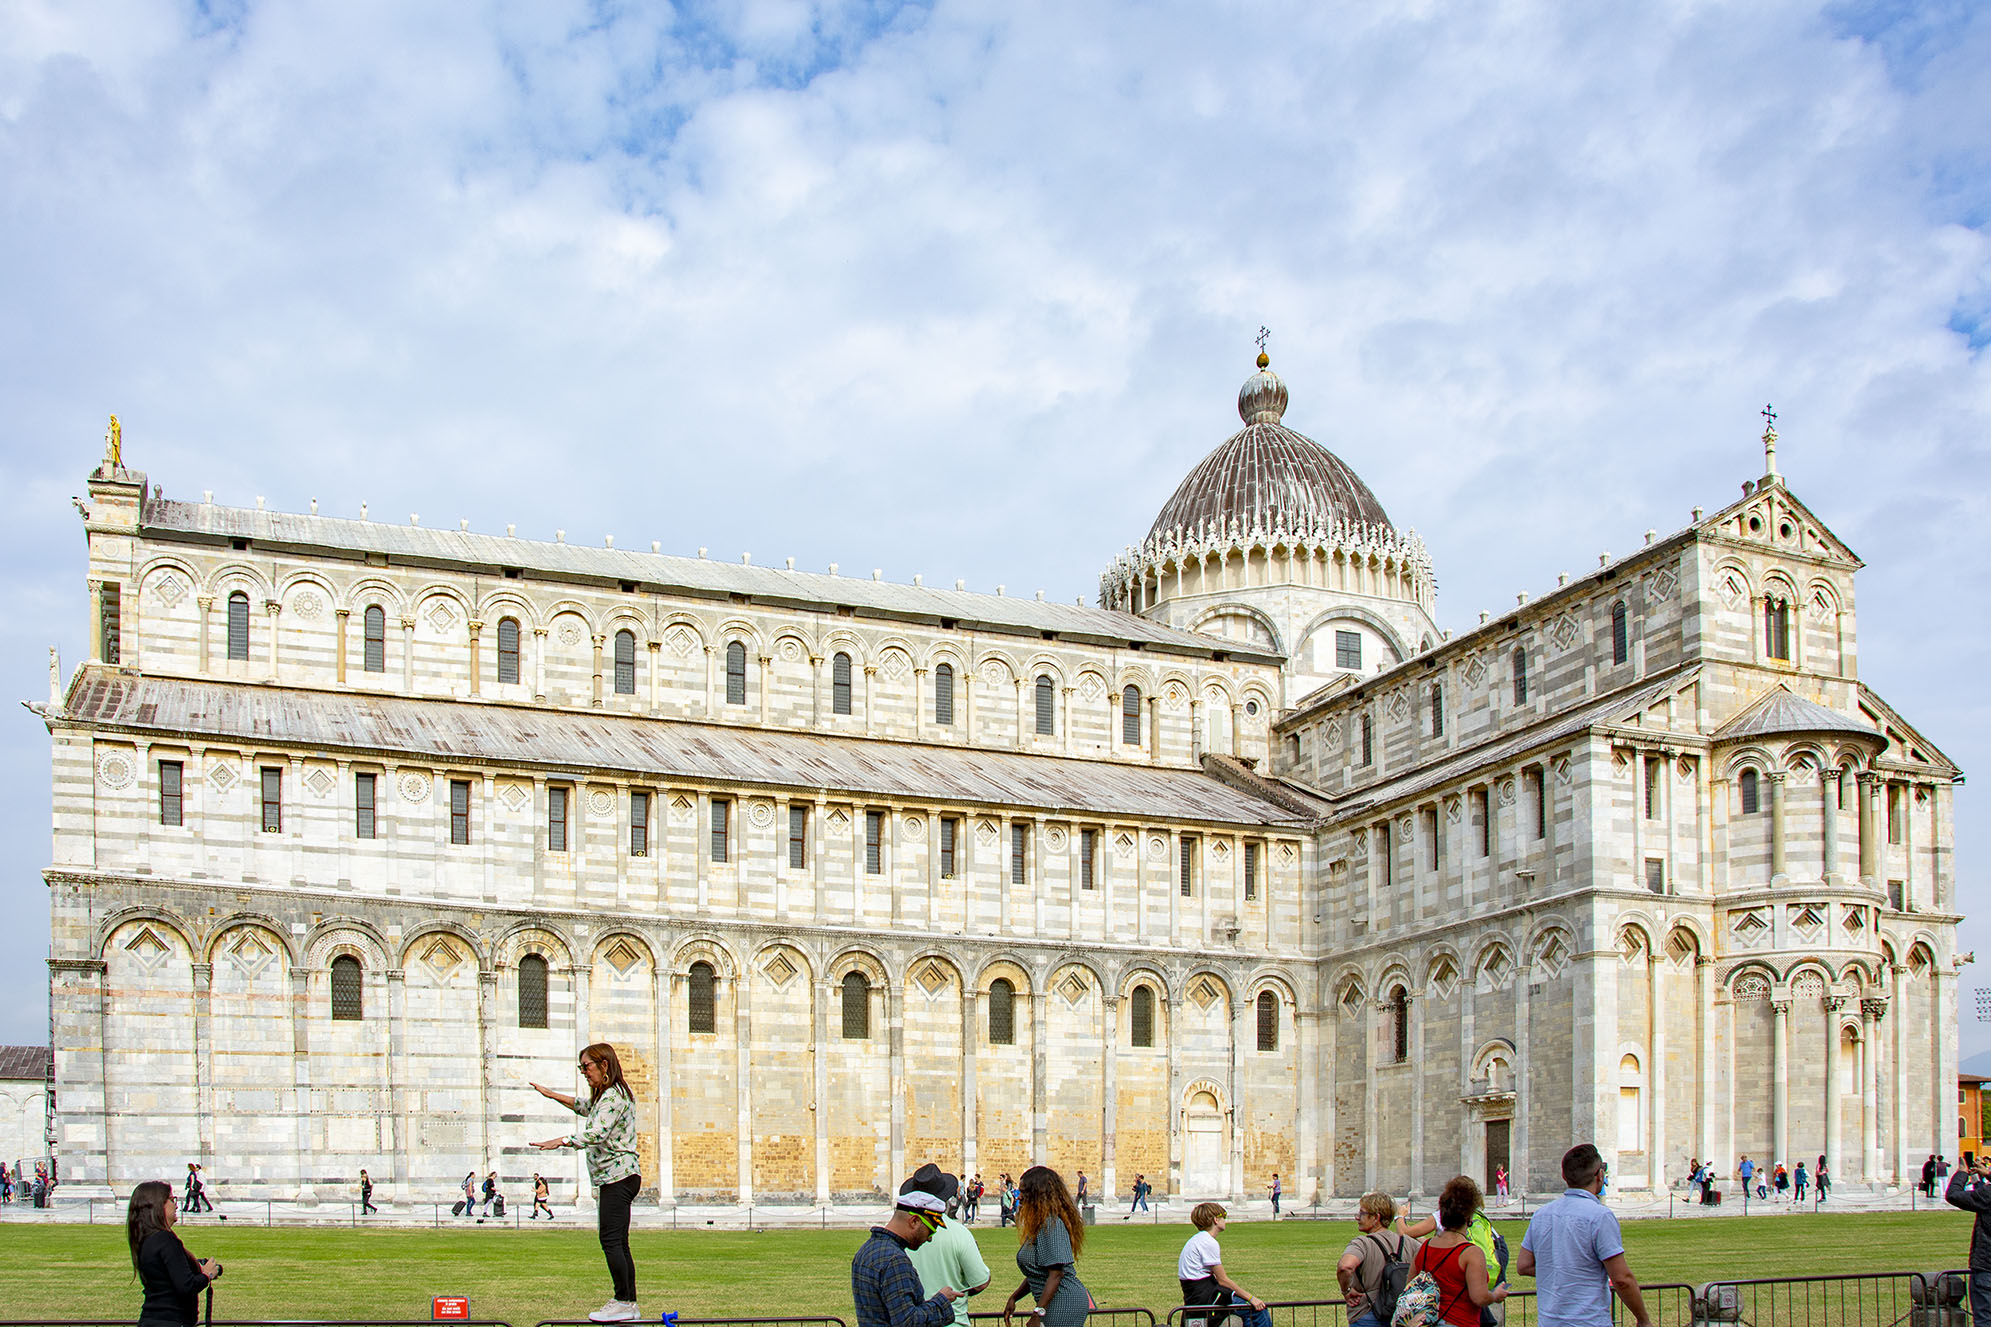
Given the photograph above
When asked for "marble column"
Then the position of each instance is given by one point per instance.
(1519, 1163)
(1871, 1011)
(895, 1032)
(1828, 793)
(743, 1086)
(1655, 1074)
(205, 603)
(1834, 1099)
(203, 974)
(1109, 1086)
(300, 1069)
(1040, 1069)
(397, 1099)
(661, 977)
(1779, 865)
(487, 1061)
(1898, 1098)
(1869, 840)
(818, 1106)
(341, 621)
(1780, 1080)
(1704, 1053)
(273, 607)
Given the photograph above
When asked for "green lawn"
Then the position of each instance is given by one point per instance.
(525, 1275)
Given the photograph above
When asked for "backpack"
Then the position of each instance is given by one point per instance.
(1391, 1282)
(1421, 1303)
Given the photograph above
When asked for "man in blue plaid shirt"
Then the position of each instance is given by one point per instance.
(883, 1281)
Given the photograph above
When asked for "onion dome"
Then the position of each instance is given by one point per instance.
(1267, 477)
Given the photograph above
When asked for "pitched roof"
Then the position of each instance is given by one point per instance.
(24, 1062)
(442, 732)
(1780, 710)
(417, 545)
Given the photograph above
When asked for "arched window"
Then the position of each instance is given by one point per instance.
(1399, 1025)
(1002, 1012)
(507, 649)
(1752, 800)
(840, 683)
(532, 991)
(625, 663)
(346, 999)
(1630, 1122)
(1268, 1021)
(1368, 740)
(1621, 646)
(700, 1002)
(1520, 677)
(1142, 1016)
(856, 1007)
(736, 672)
(1777, 628)
(375, 657)
(1437, 709)
(1130, 716)
(238, 625)
(943, 695)
(1047, 706)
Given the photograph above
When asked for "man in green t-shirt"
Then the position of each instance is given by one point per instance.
(951, 1257)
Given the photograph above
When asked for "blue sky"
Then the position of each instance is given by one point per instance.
(965, 288)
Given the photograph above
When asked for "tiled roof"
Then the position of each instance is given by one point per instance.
(1268, 477)
(441, 732)
(24, 1062)
(1781, 710)
(419, 545)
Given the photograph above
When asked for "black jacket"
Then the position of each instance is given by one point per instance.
(172, 1280)
(1973, 1194)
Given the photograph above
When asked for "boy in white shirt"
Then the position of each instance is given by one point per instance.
(1201, 1272)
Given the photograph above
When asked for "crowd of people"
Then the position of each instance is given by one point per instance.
(15, 1184)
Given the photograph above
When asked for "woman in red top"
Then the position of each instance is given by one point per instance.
(1454, 1261)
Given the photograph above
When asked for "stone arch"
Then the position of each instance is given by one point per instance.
(1551, 947)
(670, 623)
(1442, 965)
(1492, 962)
(166, 562)
(1493, 1064)
(501, 602)
(624, 618)
(346, 935)
(301, 578)
(1735, 566)
(1005, 965)
(1095, 976)
(738, 628)
(1820, 588)
(210, 948)
(637, 943)
(856, 958)
(441, 590)
(531, 937)
(1257, 617)
(1274, 980)
(1226, 989)
(1756, 757)
(1634, 933)
(944, 652)
(782, 951)
(1218, 683)
(1138, 972)
(844, 640)
(437, 925)
(1778, 581)
(1256, 690)
(948, 964)
(1685, 940)
(564, 607)
(166, 917)
(1204, 1086)
(1137, 675)
(1351, 613)
(703, 948)
(374, 590)
(231, 576)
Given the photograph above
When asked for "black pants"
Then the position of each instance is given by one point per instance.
(614, 1216)
(366, 1204)
(1980, 1298)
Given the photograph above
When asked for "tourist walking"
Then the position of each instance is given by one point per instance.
(1929, 1176)
(951, 1258)
(470, 1195)
(1275, 1195)
(1576, 1254)
(493, 1203)
(1800, 1180)
(884, 1284)
(608, 1133)
(1823, 1179)
(1500, 1181)
(1457, 1264)
(539, 1198)
(1200, 1270)
(196, 1190)
(171, 1277)
(366, 1193)
(1970, 1189)
(6, 1185)
(1746, 1172)
(1050, 1237)
(974, 1204)
(1374, 1247)
(1783, 1181)
(1141, 1191)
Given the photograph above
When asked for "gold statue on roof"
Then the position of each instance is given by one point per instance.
(114, 445)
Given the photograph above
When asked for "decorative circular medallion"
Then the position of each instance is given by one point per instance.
(761, 813)
(915, 827)
(600, 802)
(791, 649)
(115, 771)
(569, 632)
(307, 605)
(1157, 847)
(1054, 838)
(414, 787)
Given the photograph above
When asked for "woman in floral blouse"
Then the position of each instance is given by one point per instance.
(608, 1133)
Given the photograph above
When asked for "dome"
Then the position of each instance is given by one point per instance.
(1267, 477)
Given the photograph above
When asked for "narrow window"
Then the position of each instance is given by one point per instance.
(1251, 870)
(798, 837)
(272, 800)
(1386, 853)
(721, 817)
(1142, 1016)
(1047, 707)
(1130, 716)
(109, 617)
(856, 1007)
(1368, 740)
(1655, 770)
(532, 991)
(1482, 828)
(1400, 1025)
(639, 824)
(169, 792)
(1437, 709)
(1896, 896)
(1520, 677)
(508, 649)
(238, 625)
(1088, 843)
(1751, 797)
(1187, 869)
(736, 673)
(1620, 633)
(625, 664)
(1655, 874)
(943, 695)
(701, 1003)
(556, 819)
(459, 811)
(1019, 853)
(874, 842)
(346, 996)
(374, 656)
(1538, 799)
(1002, 1012)
(949, 830)
(1894, 813)
(1347, 649)
(840, 683)
(365, 786)
(1268, 1021)
(1777, 629)
(1433, 842)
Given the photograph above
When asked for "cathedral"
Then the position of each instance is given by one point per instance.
(359, 827)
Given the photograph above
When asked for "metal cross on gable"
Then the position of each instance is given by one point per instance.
(1769, 417)
(1264, 335)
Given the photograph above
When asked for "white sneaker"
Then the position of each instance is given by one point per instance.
(616, 1310)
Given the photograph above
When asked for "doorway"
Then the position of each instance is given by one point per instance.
(1203, 1150)
(1497, 1132)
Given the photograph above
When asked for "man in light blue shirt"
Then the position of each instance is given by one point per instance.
(1575, 1253)
(951, 1257)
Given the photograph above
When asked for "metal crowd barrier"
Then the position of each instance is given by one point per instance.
(1109, 1317)
(261, 1322)
(696, 1322)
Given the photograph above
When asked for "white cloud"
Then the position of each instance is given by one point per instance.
(965, 290)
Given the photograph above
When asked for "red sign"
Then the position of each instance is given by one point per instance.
(450, 1308)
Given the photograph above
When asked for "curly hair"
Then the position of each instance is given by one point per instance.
(1040, 1195)
(1458, 1201)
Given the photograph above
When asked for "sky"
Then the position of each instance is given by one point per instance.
(965, 288)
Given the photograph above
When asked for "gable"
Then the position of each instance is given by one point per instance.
(1771, 519)
(1905, 745)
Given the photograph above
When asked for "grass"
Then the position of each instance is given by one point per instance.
(523, 1276)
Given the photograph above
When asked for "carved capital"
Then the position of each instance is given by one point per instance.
(1781, 1008)
(342, 613)
(1873, 1010)
(1778, 776)
(1834, 1003)
(407, 624)
(272, 607)
(206, 601)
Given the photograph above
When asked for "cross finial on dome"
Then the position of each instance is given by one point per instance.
(1264, 335)
(1769, 445)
